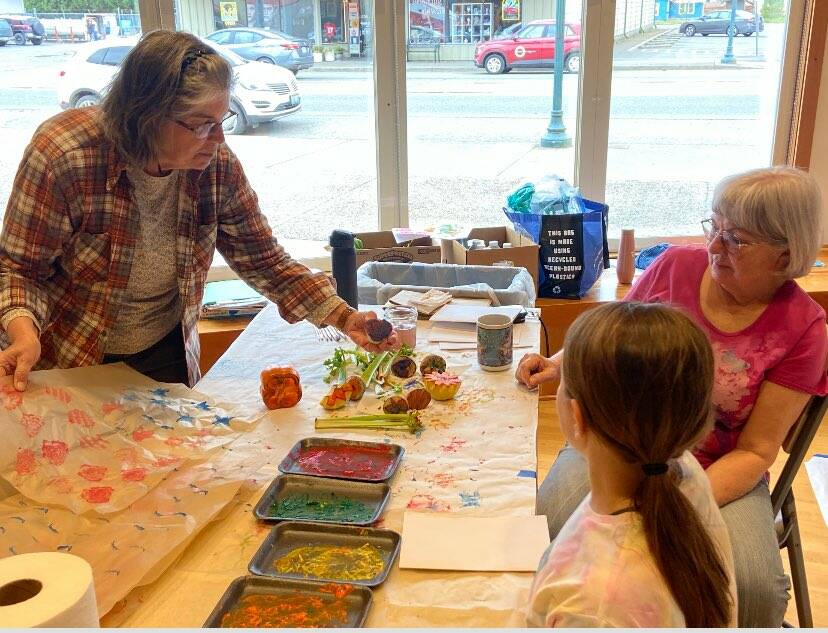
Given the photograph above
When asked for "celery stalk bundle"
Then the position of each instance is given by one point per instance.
(389, 421)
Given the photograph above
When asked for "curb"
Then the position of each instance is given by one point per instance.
(620, 65)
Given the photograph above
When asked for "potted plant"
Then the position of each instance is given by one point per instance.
(338, 51)
(317, 53)
(329, 54)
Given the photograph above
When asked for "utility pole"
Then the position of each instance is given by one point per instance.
(556, 135)
(729, 57)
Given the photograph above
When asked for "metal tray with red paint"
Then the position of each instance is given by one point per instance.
(353, 608)
(321, 500)
(343, 459)
(288, 536)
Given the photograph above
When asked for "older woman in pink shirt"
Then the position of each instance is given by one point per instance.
(770, 345)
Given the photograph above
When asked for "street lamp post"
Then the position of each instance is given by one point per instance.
(556, 135)
(729, 57)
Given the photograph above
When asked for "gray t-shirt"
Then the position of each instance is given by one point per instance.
(152, 305)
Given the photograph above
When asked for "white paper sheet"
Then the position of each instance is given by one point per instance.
(505, 543)
(817, 468)
(454, 313)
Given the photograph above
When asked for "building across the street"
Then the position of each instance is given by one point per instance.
(455, 26)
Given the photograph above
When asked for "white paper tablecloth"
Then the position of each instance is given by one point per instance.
(476, 456)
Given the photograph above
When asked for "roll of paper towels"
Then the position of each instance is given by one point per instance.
(47, 589)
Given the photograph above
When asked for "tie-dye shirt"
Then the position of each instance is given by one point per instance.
(599, 572)
(786, 345)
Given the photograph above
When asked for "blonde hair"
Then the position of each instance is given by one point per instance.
(643, 377)
(167, 74)
(779, 204)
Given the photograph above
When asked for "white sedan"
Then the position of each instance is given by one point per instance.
(261, 92)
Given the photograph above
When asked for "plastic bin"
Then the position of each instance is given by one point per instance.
(377, 282)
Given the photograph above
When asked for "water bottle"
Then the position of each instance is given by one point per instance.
(343, 266)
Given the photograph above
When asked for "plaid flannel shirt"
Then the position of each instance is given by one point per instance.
(70, 230)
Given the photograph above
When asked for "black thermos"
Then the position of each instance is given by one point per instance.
(343, 266)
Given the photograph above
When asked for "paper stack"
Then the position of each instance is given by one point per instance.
(231, 298)
(426, 302)
(455, 326)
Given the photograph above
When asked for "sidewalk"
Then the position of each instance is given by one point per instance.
(627, 55)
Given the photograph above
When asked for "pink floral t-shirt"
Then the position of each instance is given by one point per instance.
(786, 345)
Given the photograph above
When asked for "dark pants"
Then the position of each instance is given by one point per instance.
(165, 361)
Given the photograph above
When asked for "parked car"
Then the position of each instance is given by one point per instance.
(507, 32)
(6, 32)
(25, 28)
(261, 93)
(424, 35)
(718, 22)
(270, 47)
(533, 46)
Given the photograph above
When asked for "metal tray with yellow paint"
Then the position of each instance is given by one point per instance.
(290, 536)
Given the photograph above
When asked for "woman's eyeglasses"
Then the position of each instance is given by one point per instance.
(732, 243)
(204, 130)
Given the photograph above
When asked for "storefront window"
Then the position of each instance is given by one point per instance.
(471, 22)
(427, 22)
(330, 12)
(293, 17)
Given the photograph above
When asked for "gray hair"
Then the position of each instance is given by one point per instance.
(167, 74)
(781, 205)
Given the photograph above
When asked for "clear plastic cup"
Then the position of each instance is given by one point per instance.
(404, 320)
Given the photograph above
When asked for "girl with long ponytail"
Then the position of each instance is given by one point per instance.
(648, 546)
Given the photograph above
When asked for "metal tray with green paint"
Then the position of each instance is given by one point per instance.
(374, 497)
(290, 535)
(291, 466)
(358, 601)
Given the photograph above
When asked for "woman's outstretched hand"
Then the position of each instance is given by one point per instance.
(534, 370)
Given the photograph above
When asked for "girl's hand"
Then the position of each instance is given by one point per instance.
(535, 370)
(24, 351)
(355, 330)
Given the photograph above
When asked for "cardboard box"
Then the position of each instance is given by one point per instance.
(523, 252)
(381, 246)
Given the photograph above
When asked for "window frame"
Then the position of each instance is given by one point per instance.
(592, 120)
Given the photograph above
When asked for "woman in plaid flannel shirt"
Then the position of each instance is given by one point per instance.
(114, 217)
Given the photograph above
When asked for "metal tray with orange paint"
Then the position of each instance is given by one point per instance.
(357, 601)
(290, 535)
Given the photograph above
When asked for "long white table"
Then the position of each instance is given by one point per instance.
(476, 456)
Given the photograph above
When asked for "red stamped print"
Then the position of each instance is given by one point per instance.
(443, 480)
(174, 441)
(25, 463)
(134, 474)
(453, 446)
(142, 433)
(427, 502)
(97, 494)
(76, 416)
(127, 455)
(61, 484)
(109, 407)
(92, 473)
(11, 397)
(93, 441)
(31, 424)
(162, 462)
(54, 452)
(61, 395)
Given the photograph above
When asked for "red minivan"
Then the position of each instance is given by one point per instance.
(531, 47)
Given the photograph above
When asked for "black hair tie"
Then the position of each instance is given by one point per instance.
(191, 57)
(651, 470)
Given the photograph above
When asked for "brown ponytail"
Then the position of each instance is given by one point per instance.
(643, 376)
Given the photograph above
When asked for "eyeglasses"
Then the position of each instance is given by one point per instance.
(204, 130)
(732, 243)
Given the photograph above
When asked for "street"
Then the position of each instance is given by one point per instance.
(680, 121)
